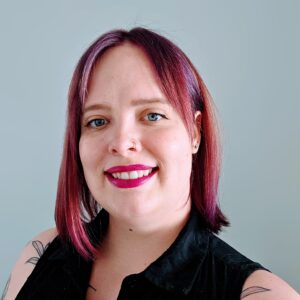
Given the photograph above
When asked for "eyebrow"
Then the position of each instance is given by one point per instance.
(135, 102)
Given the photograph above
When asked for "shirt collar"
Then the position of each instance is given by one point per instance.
(177, 269)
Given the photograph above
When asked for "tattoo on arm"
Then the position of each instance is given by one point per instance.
(253, 290)
(91, 287)
(40, 249)
(5, 289)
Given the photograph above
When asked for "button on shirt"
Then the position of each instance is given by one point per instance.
(198, 265)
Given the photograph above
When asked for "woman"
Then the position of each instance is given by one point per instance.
(141, 143)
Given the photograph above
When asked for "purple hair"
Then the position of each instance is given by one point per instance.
(186, 92)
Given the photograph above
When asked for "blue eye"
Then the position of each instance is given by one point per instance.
(97, 123)
(154, 117)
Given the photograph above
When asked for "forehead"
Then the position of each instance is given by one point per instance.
(126, 59)
(123, 53)
(122, 72)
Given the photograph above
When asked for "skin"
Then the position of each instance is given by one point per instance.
(263, 285)
(27, 261)
(121, 77)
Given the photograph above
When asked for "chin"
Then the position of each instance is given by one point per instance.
(137, 211)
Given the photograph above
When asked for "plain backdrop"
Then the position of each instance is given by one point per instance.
(248, 55)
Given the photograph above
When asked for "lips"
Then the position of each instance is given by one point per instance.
(130, 176)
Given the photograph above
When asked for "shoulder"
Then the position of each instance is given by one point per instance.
(254, 279)
(27, 261)
(263, 285)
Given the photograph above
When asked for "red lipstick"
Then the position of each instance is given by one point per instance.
(129, 183)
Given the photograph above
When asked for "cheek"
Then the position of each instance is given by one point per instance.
(89, 151)
(181, 159)
(175, 151)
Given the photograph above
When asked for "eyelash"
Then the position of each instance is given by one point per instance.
(89, 124)
(157, 114)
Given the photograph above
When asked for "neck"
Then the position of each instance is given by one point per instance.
(131, 249)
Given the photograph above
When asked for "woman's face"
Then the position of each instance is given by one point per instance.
(128, 130)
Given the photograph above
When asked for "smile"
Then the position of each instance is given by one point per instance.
(130, 176)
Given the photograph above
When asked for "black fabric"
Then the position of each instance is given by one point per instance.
(198, 265)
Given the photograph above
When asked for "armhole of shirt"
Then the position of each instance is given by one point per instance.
(28, 261)
(245, 272)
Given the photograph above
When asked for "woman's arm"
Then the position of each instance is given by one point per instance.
(263, 285)
(26, 263)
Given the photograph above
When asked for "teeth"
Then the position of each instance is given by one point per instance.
(124, 175)
(132, 174)
(147, 172)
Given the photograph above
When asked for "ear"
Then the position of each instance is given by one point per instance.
(196, 132)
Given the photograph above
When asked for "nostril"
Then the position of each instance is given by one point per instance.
(123, 145)
(133, 147)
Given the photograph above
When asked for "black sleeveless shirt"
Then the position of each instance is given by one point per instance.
(198, 265)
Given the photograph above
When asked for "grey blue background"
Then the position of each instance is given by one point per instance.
(248, 55)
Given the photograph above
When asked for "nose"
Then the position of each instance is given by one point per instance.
(124, 142)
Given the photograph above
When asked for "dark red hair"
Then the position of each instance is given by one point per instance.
(187, 93)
